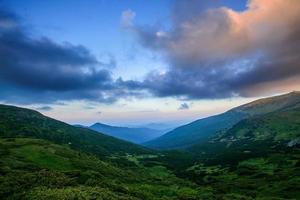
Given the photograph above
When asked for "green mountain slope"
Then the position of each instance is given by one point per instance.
(258, 158)
(135, 135)
(39, 169)
(190, 134)
(202, 129)
(256, 135)
(20, 122)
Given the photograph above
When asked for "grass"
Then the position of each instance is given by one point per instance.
(44, 157)
(37, 169)
(260, 165)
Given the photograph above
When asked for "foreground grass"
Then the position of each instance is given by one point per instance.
(37, 169)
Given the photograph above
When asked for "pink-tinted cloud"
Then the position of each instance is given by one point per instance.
(220, 52)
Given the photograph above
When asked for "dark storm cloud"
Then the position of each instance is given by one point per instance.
(40, 70)
(219, 53)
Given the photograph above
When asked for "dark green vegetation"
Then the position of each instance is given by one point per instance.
(136, 135)
(42, 158)
(200, 130)
(38, 169)
(257, 158)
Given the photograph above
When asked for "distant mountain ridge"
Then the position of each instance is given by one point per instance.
(135, 135)
(22, 122)
(168, 126)
(199, 130)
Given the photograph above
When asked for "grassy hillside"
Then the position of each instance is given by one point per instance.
(38, 169)
(135, 135)
(270, 104)
(256, 135)
(190, 134)
(200, 130)
(258, 158)
(20, 122)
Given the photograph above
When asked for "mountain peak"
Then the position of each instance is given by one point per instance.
(270, 104)
(135, 135)
(295, 93)
(99, 124)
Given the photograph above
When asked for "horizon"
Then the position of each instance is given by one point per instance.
(170, 124)
(121, 63)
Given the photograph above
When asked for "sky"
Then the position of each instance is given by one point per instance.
(134, 62)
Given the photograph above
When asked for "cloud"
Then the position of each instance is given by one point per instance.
(8, 20)
(212, 52)
(216, 52)
(38, 70)
(127, 18)
(183, 106)
(44, 108)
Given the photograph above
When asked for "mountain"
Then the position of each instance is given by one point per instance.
(270, 104)
(254, 136)
(257, 158)
(135, 135)
(42, 158)
(200, 130)
(167, 126)
(189, 134)
(20, 122)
